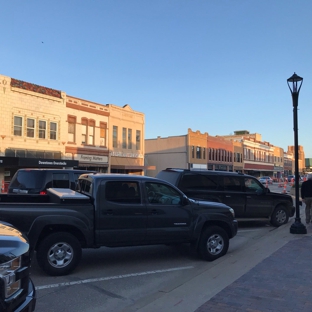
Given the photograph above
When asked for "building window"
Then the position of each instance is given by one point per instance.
(193, 152)
(30, 127)
(83, 134)
(72, 129)
(42, 129)
(102, 134)
(198, 152)
(209, 153)
(138, 139)
(115, 135)
(124, 137)
(129, 138)
(18, 123)
(91, 128)
(204, 153)
(53, 130)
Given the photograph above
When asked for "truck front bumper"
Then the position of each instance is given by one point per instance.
(30, 302)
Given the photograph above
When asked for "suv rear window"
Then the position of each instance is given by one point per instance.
(22, 180)
(170, 176)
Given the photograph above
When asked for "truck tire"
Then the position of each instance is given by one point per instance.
(279, 216)
(213, 243)
(59, 253)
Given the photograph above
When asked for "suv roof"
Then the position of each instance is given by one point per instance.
(214, 172)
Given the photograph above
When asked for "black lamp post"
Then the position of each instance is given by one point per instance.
(294, 84)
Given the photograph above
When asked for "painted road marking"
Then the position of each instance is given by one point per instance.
(93, 280)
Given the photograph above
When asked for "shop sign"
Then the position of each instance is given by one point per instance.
(8, 161)
(130, 155)
(92, 158)
(35, 162)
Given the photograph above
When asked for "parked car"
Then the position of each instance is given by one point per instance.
(266, 180)
(37, 181)
(291, 178)
(244, 193)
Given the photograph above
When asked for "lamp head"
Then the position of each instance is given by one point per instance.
(293, 82)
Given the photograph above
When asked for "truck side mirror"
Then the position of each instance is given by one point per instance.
(185, 201)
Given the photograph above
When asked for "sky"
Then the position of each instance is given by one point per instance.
(212, 66)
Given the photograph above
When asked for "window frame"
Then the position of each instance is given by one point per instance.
(28, 128)
(16, 127)
(53, 131)
(42, 130)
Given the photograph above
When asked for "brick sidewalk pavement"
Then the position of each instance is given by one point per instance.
(282, 282)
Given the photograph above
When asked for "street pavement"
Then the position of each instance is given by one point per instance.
(273, 274)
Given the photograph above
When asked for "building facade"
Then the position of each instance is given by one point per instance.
(126, 140)
(87, 131)
(46, 128)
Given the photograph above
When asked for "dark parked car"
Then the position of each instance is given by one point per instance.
(244, 193)
(37, 181)
(17, 291)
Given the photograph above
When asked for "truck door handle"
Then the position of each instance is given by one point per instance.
(109, 212)
(154, 212)
(228, 196)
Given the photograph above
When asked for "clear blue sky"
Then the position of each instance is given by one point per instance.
(213, 66)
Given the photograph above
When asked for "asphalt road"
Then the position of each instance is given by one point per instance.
(113, 279)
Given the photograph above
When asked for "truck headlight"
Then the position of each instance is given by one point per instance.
(7, 274)
(232, 211)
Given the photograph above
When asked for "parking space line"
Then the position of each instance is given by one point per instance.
(93, 280)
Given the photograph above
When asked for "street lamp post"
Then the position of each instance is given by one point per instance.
(294, 84)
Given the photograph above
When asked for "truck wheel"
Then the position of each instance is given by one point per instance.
(59, 253)
(279, 216)
(213, 243)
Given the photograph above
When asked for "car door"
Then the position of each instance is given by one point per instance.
(258, 204)
(169, 215)
(122, 214)
(233, 194)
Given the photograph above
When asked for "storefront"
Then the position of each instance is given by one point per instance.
(92, 162)
(129, 163)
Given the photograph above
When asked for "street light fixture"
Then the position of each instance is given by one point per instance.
(294, 84)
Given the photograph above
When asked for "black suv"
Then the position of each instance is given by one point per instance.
(17, 291)
(244, 193)
(37, 181)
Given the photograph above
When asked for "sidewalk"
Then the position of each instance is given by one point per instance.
(274, 274)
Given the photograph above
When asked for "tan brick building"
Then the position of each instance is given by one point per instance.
(43, 127)
(33, 123)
